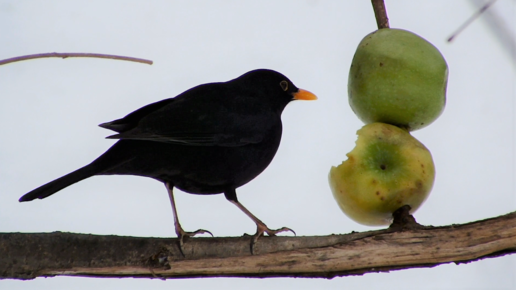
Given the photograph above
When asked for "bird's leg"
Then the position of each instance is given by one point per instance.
(261, 228)
(179, 230)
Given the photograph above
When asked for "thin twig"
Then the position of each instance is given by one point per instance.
(380, 13)
(66, 55)
(471, 19)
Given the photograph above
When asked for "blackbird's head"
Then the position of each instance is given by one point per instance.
(273, 87)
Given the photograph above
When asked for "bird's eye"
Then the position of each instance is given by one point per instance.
(284, 85)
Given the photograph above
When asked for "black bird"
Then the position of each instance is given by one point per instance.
(210, 139)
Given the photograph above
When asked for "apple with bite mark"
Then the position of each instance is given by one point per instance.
(388, 168)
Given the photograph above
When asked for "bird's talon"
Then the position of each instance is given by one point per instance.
(274, 232)
(181, 234)
(262, 229)
(201, 231)
(285, 229)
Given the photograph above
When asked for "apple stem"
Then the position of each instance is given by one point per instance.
(406, 128)
(403, 220)
(380, 13)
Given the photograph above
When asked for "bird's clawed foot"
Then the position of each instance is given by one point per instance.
(181, 234)
(263, 229)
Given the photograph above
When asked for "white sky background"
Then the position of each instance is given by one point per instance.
(50, 109)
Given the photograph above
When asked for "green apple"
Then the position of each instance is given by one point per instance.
(388, 168)
(399, 78)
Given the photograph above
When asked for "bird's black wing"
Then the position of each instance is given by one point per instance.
(208, 115)
(130, 121)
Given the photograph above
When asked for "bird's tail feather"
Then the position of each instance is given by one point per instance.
(60, 183)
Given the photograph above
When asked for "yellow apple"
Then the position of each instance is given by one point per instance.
(388, 168)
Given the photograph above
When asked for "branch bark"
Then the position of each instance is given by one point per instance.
(30, 255)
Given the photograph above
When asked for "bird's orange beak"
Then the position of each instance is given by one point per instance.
(304, 95)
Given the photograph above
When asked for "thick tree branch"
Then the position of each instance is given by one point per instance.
(26, 256)
(73, 54)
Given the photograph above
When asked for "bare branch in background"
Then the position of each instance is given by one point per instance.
(471, 19)
(66, 55)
